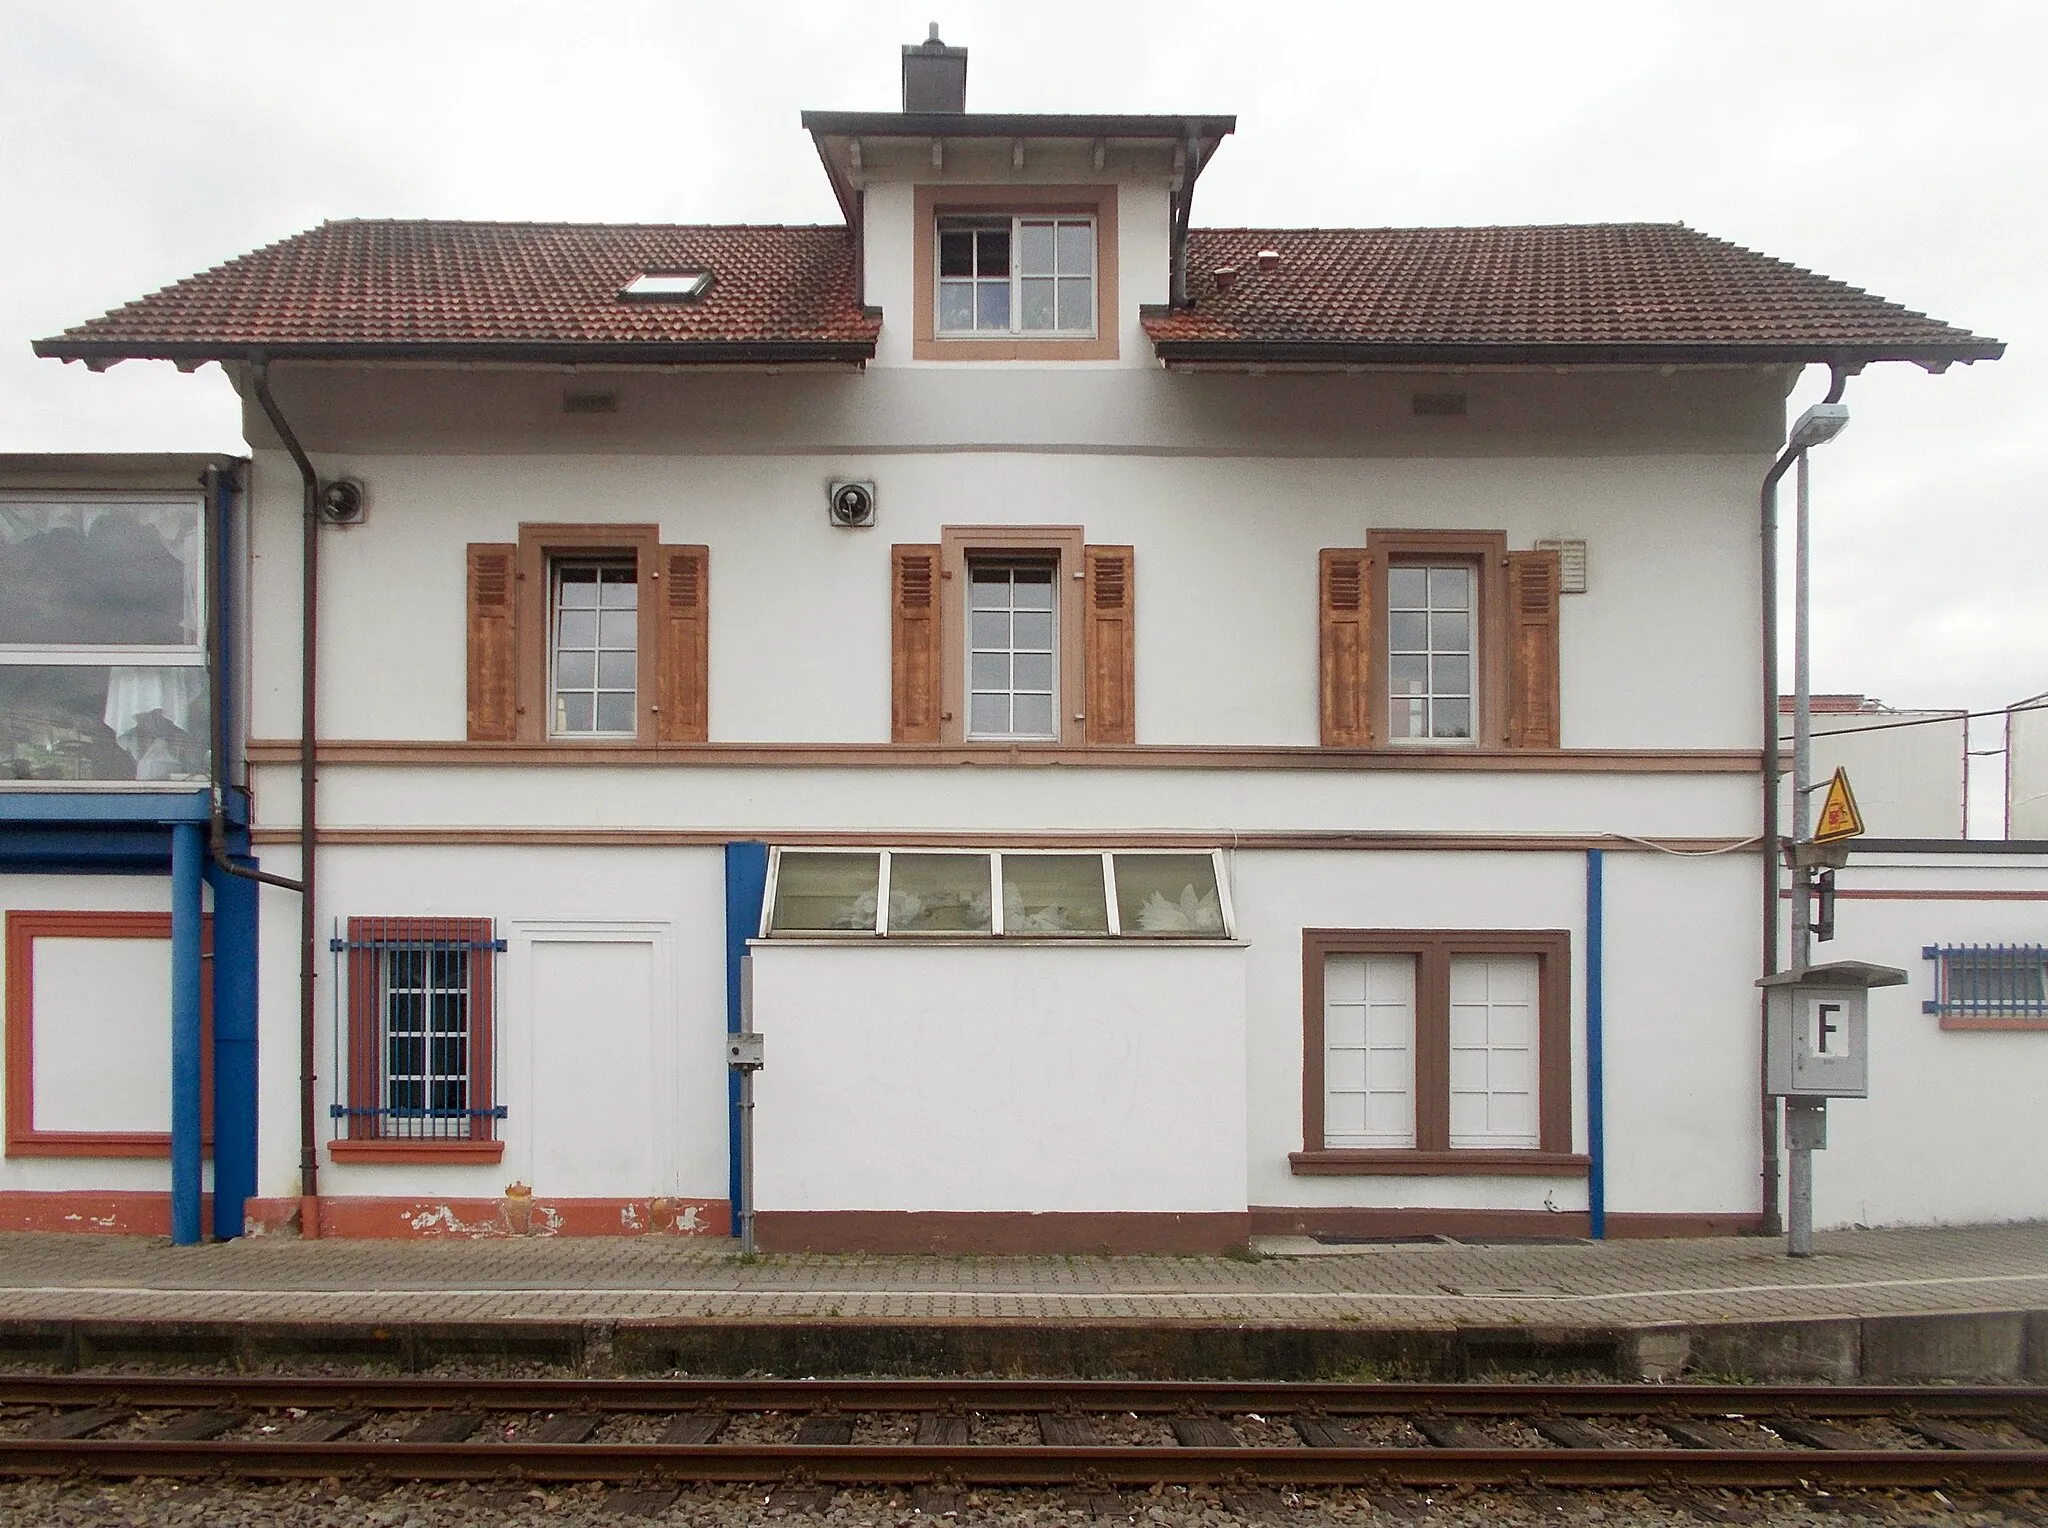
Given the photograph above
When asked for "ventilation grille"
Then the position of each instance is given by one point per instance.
(493, 576)
(914, 587)
(1110, 584)
(1571, 562)
(1347, 583)
(685, 583)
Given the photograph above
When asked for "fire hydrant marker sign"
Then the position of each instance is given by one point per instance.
(1839, 818)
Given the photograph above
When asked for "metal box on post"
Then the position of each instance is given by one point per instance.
(1816, 1024)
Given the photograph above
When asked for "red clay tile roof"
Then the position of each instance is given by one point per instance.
(467, 289)
(1593, 293)
(1607, 291)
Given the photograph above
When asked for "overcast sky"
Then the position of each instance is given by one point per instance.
(1902, 147)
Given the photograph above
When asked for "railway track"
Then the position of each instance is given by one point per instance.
(805, 1438)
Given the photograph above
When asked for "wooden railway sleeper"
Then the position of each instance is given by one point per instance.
(1451, 1432)
(1203, 1431)
(67, 1425)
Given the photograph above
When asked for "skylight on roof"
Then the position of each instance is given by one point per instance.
(668, 286)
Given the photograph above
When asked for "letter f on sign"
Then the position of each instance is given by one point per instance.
(1826, 1031)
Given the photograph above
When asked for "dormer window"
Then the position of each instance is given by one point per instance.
(1016, 276)
(667, 286)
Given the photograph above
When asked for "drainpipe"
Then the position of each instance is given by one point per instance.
(217, 484)
(309, 652)
(1596, 1043)
(1773, 1224)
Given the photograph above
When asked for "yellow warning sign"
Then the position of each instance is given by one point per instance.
(1839, 818)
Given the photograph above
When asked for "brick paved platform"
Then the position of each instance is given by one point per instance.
(1729, 1305)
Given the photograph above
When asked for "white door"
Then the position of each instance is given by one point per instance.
(596, 1062)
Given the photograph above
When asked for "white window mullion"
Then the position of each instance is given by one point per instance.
(882, 896)
(1116, 922)
(995, 895)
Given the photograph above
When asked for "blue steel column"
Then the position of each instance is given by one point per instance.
(188, 846)
(234, 1049)
(746, 882)
(1596, 1059)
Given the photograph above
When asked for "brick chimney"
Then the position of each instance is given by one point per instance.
(934, 75)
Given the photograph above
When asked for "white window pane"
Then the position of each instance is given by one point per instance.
(1450, 588)
(100, 572)
(1450, 676)
(617, 629)
(1451, 719)
(1034, 249)
(576, 671)
(1054, 894)
(1411, 718)
(1033, 630)
(1168, 894)
(614, 670)
(989, 671)
(618, 590)
(1034, 671)
(1037, 300)
(1033, 588)
(1407, 588)
(1076, 304)
(938, 893)
(1032, 717)
(956, 252)
(989, 716)
(577, 628)
(1369, 1051)
(1494, 1028)
(1409, 674)
(990, 630)
(614, 712)
(992, 252)
(1408, 632)
(140, 722)
(1077, 249)
(1450, 632)
(578, 589)
(574, 713)
(825, 892)
(956, 305)
(992, 305)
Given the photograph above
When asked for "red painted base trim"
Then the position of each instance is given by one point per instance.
(483, 1219)
(102, 1212)
(995, 1232)
(1318, 1220)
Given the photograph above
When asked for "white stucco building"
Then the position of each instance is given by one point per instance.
(1271, 740)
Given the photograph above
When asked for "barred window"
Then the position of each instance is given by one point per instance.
(1989, 986)
(419, 1030)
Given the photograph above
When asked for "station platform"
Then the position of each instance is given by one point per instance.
(1951, 1303)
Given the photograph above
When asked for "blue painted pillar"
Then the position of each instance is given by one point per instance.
(746, 883)
(1596, 1060)
(187, 919)
(234, 1048)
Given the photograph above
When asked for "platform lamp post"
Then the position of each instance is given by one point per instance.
(1805, 1118)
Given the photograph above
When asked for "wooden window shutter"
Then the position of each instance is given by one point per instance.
(1533, 704)
(1109, 640)
(493, 661)
(914, 644)
(684, 645)
(1346, 606)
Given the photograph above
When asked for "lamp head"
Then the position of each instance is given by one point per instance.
(1819, 425)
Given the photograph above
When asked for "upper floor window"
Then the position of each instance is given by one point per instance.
(1989, 986)
(1013, 657)
(102, 640)
(1016, 275)
(1431, 645)
(594, 650)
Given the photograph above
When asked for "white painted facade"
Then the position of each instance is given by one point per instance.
(1908, 769)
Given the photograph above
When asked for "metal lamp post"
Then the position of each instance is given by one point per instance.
(1805, 1118)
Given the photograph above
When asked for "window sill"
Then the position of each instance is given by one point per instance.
(405, 1153)
(1976, 1021)
(1442, 1164)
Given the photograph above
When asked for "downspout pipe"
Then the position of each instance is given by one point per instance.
(1838, 380)
(309, 671)
(218, 485)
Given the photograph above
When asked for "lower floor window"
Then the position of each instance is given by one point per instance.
(1436, 1041)
(419, 1029)
(1989, 986)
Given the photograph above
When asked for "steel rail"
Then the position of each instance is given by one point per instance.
(1146, 1397)
(1028, 1465)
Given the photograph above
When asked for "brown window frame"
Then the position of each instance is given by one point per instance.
(1432, 1153)
(1487, 553)
(1065, 546)
(541, 547)
(369, 1137)
(932, 202)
